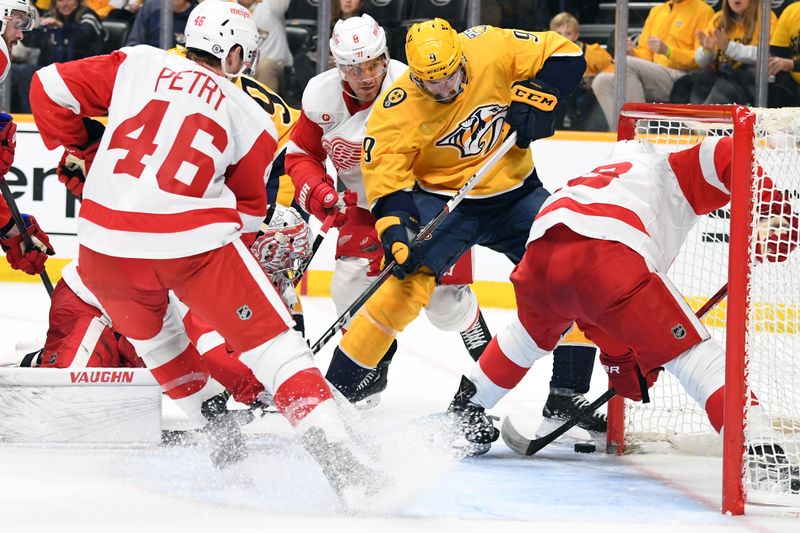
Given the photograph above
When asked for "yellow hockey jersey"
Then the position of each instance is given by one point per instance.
(737, 34)
(413, 139)
(279, 187)
(787, 35)
(597, 59)
(677, 25)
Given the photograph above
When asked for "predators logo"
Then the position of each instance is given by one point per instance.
(479, 132)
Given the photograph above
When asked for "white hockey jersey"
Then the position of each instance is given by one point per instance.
(645, 200)
(328, 128)
(182, 165)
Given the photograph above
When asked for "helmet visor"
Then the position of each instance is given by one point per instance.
(363, 72)
(22, 20)
(444, 90)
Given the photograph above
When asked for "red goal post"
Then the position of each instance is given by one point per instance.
(752, 323)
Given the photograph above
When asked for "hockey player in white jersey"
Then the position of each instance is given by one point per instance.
(16, 17)
(175, 194)
(336, 105)
(597, 256)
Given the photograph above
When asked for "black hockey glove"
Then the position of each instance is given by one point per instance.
(397, 222)
(531, 111)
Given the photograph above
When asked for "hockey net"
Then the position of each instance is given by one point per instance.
(758, 324)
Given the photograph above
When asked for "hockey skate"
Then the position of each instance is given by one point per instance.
(223, 432)
(477, 337)
(368, 391)
(471, 421)
(353, 482)
(562, 407)
(770, 470)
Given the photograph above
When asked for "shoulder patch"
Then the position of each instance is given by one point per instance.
(475, 31)
(394, 97)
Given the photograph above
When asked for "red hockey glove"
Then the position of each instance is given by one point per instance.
(29, 261)
(357, 237)
(778, 228)
(74, 167)
(76, 162)
(8, 143)
(626, 378)
(777, 237)
(317, 196)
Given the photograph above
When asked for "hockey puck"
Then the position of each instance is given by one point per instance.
(585, 447)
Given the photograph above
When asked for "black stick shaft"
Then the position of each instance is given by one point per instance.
(26, 238)
(423, 235)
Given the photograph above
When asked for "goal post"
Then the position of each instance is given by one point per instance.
(758, 325)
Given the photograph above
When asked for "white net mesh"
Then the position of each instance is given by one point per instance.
(773, 334)
(698, 272)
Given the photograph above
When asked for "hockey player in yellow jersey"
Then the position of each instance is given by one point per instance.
(435, 127)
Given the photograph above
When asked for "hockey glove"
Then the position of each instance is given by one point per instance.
(397, 224)
(626, 378)
(76, 162)
(357, 237)
(777, 237)
(8, 143)
(531, 111)
(29, 261)
(317, 196)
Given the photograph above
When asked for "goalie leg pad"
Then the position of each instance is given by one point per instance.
(452, 307)
(78, 335)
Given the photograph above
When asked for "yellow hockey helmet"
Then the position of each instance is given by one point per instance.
(433, 50)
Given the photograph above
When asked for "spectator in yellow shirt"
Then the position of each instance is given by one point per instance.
(784, 61)
(726, 57)
(581, 110)
(665, 52)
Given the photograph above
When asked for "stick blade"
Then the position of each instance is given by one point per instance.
(514, 438)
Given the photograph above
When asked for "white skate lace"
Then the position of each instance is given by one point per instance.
(367, 381)
(473, 337)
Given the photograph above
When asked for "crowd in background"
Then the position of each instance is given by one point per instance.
(681, 51)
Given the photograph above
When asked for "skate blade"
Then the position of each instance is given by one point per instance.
(369, 402)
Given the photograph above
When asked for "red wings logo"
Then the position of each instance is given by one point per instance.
(345, 155)
(478, 133)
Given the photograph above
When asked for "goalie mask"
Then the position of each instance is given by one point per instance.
(282, 248)
(216, 27)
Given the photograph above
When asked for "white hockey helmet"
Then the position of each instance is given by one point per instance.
(356, 40)
(28, 12)
(217, 26)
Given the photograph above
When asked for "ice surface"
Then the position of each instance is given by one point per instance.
(278, 488)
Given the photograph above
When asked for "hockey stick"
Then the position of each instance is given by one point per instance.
(523, 446)
(423, 235)
(323, 231)
(26, 237)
